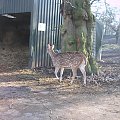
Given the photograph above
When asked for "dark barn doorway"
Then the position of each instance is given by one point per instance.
(14, 41)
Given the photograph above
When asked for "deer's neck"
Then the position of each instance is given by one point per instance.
(52, 55)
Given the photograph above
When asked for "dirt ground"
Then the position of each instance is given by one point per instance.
(36, 95)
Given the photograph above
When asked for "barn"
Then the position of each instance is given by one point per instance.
(26, 27)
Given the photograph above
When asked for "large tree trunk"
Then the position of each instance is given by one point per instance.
(77, 29)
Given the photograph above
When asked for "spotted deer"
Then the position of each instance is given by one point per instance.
(68, 60)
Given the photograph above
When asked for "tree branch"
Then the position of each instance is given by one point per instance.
(92, 1)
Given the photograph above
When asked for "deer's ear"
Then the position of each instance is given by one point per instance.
(53, 47)
(48, 45)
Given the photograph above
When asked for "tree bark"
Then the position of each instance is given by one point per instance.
(77, 34)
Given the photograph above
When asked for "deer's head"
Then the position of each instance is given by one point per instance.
(50, 48)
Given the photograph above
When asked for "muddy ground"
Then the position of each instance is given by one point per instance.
(36, 95)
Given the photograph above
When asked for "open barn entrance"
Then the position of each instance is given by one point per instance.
(14, 41)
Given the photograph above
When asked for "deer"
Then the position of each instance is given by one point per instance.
(68, 60)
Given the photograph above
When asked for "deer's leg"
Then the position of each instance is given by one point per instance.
(61, 73)
(56, 71)
(82, 69)
(74, 71)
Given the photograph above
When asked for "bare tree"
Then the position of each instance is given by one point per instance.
(108, 18)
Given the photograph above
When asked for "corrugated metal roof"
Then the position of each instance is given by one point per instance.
(15, 6)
